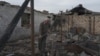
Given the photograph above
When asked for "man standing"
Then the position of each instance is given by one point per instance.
(45, 26)
(44, 29)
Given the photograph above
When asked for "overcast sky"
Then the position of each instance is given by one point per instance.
(55, 6)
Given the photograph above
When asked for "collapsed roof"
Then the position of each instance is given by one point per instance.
(80, 10)
(3, 3)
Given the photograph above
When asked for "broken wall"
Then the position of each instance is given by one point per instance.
(83, 21)
(7, 13)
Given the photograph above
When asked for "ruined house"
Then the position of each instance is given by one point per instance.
(8, 11)
(80, 16)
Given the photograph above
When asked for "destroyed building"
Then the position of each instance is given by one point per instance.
(8, 11)
(80, 16)
(56, 47)
(88, 19)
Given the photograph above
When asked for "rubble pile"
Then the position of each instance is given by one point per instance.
(57, 48)
(20, 47)
(54, 47)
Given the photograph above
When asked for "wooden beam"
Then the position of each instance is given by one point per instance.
(72, 21)
(32, 29)
(61, 25)
(89, 24)
(94, 25)
(10, 28)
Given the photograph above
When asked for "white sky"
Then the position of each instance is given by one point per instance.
(57, 5)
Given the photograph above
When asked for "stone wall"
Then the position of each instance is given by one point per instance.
(7, 13)
(83, 21)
